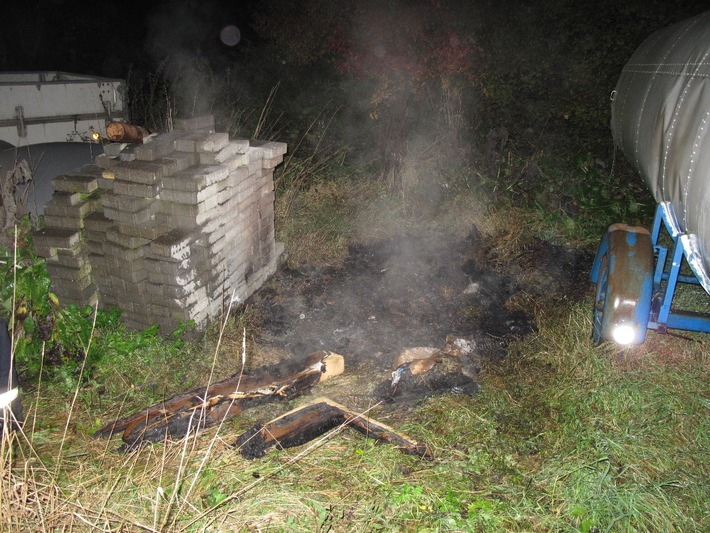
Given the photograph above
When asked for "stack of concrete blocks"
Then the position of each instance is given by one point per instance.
(170, 231)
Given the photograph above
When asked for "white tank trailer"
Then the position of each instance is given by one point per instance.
(661, 122)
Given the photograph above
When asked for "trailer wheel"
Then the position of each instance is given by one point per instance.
(623, 272)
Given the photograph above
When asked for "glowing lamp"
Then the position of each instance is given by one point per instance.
(623, 334)
(6, 398)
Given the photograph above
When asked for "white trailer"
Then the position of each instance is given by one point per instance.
(52, 106)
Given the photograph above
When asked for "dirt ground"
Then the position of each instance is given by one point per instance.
(414, 291)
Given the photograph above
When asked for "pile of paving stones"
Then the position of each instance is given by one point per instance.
(170, 230)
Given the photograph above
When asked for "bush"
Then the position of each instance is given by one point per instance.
(42, 330)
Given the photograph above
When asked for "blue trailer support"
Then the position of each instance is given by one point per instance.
(666, 278)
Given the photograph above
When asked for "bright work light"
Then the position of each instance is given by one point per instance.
(6, 398)
(624, 334)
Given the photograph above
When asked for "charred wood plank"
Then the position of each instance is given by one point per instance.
(312, 420)
(207, 406)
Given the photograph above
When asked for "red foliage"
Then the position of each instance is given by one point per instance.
(405, 53)
(388, 43)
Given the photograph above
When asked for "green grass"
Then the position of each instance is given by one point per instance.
(626, 447)
(563, 436)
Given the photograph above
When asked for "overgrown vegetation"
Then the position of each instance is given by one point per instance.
(512, 139)
(562, 436)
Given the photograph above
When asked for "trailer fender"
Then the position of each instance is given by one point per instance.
(623, 274)
(47, 161)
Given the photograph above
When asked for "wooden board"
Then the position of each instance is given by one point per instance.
(207, 406)
(312, 420)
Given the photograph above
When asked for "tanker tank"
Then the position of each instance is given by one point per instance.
(661, 122)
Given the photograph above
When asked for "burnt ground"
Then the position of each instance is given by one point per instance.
(415, 291)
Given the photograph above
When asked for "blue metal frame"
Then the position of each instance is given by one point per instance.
(665, 281)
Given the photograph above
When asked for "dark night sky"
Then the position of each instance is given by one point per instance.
(106, 37)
